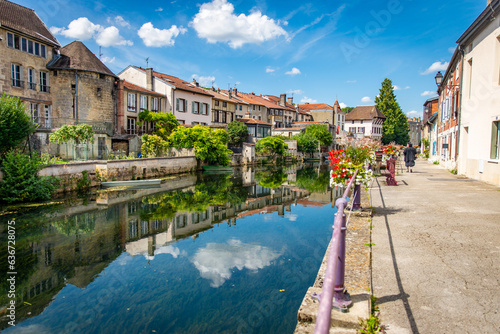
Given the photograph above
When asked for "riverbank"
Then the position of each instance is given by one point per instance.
(357, 276)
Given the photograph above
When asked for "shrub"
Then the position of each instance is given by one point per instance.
(271, 145)
(237, 132)
(21, 182)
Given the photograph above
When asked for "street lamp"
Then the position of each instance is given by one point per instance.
(439, 79)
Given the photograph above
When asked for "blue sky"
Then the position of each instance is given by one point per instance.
(318, 50)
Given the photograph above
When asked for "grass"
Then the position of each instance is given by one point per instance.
(372, 325)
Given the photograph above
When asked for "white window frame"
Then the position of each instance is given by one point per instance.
(17, 75)
(31, 78)
(143, 102)
(154, 104)
(131, 102)
(44, 82)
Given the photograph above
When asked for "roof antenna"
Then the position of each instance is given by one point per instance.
(147, 62)
(100, 53)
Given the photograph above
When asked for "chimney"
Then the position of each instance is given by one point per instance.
(283, 100)
(290, 100)
(195, 83)
(235, 91)
(149, 79)
(229, 94)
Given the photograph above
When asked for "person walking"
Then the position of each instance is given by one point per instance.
(410, 154)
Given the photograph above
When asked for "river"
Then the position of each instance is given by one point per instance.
(227, 253)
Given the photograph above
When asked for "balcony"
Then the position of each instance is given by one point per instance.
(139, 131)
(17, 83)
(44, 89)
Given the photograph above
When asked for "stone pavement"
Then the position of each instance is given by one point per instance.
(436, 258)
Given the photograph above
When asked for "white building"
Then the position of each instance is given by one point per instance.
(189, 103)
(365, 121)
(479, 123)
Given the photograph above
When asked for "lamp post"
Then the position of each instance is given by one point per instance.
(438, 78)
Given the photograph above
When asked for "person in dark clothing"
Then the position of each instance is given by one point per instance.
(410, 154)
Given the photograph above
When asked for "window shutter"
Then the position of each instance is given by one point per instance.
(192, 107)
(177, 104)
(185, 105)
(494, 140)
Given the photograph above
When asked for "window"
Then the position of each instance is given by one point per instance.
(204, 109)
(30, 47)
(24, 44)
(43, 52)
(224, 104)
(44, 82)
(10, 40)
(252, 132)
(254, 107)
(260, 132)
(131, 126)
(495, 140)
(144, 102)
(181, 105)
(154, 104)
(48, 116)
(195, 107)
(35, 114)
(240, 107)
(223, 117)
(216, 103)
(361, 121)
(31, 79)
(215, 116)
(37, 49)
(17, 71)
(131, 106)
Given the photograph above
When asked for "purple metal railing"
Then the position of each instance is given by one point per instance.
(333, 284)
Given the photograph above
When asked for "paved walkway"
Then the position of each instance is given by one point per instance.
(436, 258)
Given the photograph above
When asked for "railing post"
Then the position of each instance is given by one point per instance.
(341, 300)
(356, 202)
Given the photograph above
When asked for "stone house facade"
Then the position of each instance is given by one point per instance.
(224, 107)
(84, 91)
(26, 45)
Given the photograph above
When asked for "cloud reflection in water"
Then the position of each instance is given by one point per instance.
(215, 261)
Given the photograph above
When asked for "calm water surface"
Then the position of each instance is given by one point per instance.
(215, 254)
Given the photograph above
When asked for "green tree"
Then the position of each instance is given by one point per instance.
(271, 145)
(347, 109)
(306, 143)
(21, 182)
(210, 145)
(395, 128)
(321, 133)
(153, 146)
(238, 133)
(165, 123)
(15, 124)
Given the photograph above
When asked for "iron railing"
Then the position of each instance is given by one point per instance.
(333, 294)
(49, 123)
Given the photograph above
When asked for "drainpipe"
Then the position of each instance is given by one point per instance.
(462, 53)
(76, 96)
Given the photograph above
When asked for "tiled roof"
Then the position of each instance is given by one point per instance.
(302, 111)
(315, 106)
(178, 83)
(364, 112)
(276, 100)
(247, 98)
(131, 86)
(26, 21)
(220, 96)
(252, 121)
(76, 56)
(310, 122)
(287, 129)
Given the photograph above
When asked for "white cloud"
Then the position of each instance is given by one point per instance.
(437, 66)
(270, 70)
(107, 60)
(217, 22)
(159, 9)
(452, 49)
(295, 92)
(119, 20)
(80, 28)
(413, 112)
(293, 71)
(111, 37)
(204, 81)
(155, 37)
(366, 99)
(172, 250)
(216, 261)
(342, 105)
(395, 87)
(428, 93)
(407, 87)
(306, 99)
